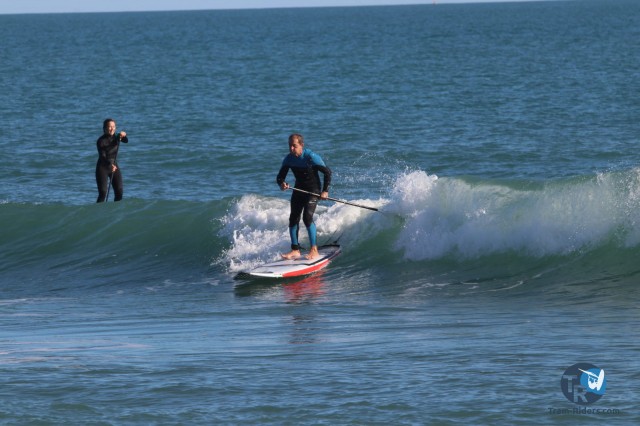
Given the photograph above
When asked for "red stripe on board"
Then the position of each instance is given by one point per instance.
(315, 267)
(308, 270)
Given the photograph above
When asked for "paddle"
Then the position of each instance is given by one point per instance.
(335, 199)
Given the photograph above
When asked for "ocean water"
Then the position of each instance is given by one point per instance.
(499, 142)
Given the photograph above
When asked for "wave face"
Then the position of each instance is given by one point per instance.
(425, 226)
(429, 224)
(476, 218)
(106, 244)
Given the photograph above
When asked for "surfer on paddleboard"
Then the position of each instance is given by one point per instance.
(305, 165)
(107, 167)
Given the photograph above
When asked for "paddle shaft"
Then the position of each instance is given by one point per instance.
(335, 199)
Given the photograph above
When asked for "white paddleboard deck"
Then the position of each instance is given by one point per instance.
(285, 268)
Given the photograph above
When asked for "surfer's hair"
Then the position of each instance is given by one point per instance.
(296, 137)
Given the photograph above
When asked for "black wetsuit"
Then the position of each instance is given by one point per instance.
(305, 169)
(107, 152)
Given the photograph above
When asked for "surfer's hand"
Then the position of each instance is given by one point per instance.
(324, 195)
(284, 185)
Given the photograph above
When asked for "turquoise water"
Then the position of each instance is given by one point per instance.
(499, 142)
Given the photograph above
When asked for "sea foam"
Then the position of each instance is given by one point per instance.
(470, 219)
(431, 217)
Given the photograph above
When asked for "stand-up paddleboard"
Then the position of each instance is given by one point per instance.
(286, 268)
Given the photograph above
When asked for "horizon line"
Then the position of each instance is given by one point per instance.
(232, 8)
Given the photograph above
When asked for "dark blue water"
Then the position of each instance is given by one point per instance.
(497, 140)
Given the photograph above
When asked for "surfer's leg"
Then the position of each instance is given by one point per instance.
(294, 226)
(311, 230)
(307, 218)
(313, 251)
(297, 205)
(295, 247)
(102, 181)
(116, 182)
(293, 233)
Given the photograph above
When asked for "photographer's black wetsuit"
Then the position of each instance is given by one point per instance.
(107, 153)
(305, 169)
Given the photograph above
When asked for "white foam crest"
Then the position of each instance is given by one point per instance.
(349, 223)
(629, 206)
(411, 192)
(452, 216)
(258, 228)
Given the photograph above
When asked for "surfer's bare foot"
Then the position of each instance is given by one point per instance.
(293, 254)
(313, 253)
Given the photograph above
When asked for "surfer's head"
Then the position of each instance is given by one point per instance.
(296, 144)
(109, 126)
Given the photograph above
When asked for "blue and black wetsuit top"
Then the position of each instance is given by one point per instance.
(305, 169)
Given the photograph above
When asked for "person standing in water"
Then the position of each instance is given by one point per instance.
(107, 166)
(305, 165)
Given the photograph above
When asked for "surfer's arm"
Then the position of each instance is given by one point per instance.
(282, 174)
(327, 177)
